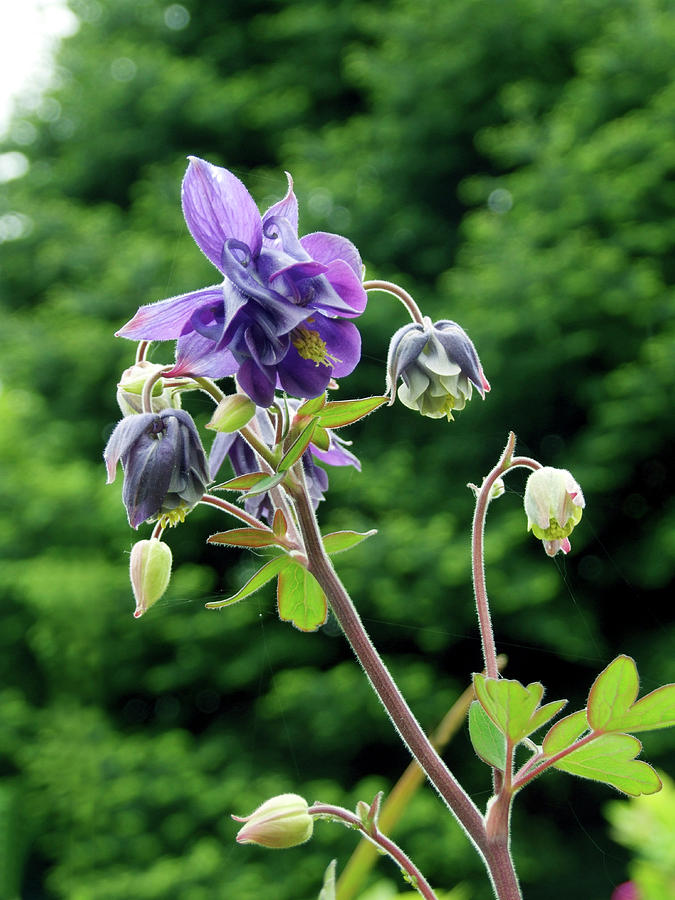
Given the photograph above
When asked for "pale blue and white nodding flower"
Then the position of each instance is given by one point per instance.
(438, 365)
(279, 317)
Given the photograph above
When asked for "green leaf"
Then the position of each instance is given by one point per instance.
(488, 741)
(298, 447)
(266, 484)
(514, 708)
(337, 541)
(311, 407)
(321, 438)
(328, 889)
(612, 706)
(279, 523)
(565, 732)
(241, 483)
(344, 412)
(610, 758)
(301, 600)
(261, 577)
(245, 537)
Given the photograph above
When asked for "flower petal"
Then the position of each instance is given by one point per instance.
(166, 319)
(286, 209)
(336, 455)
(343, 295)
(198, 355)
(301, 377)
(126, 432)
(256, 382)
(326, 248)
(343, 342)
(217, 207)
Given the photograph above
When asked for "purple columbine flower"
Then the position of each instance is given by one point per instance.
(279, 318)
(243, 461)
(438, 364)
(165, 467)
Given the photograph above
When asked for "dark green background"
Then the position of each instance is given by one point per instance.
(510, 163)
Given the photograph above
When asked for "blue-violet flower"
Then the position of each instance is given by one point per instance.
(279, 318)
(165, 467)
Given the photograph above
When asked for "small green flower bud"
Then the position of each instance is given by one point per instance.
(554, 503)
(232, 413)
(279, 823)
(130, 390)
(150, 571)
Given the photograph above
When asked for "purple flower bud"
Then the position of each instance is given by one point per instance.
(438, 365)
(554, 503)
(279, 823)
(165, 468)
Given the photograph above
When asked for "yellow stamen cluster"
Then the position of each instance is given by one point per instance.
(310, 346)
(172, 518)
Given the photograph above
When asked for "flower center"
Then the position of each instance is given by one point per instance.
(310, 346)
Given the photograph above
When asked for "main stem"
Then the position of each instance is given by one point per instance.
(498, 863)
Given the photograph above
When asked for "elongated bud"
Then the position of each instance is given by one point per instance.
(232, 413)
(130, 390)
(150, 571)
(279, 823)
(554, 504)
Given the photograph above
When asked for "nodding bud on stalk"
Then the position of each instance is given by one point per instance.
(438, 365)
(554, 504)
(279, 823)
(232, 413)
(150, 571)
(130, 390)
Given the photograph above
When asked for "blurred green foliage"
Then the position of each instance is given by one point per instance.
(511, 164)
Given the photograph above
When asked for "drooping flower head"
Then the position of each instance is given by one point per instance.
(279, 318)
(165, 467)
(554, 503)
(438, 365)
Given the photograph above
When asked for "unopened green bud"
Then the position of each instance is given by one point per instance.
(279, 823)
(554, 504)
(232, 413)
(150, 571)
(130, 390)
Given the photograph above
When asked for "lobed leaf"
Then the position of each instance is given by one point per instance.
(337, 541)
(612, 706)
(610, 758)
(512, 706)
(565, 732)
(261, 577)
(300, 598)
(343, 412)
(486, 738)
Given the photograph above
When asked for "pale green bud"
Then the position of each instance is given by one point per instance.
(232, 413)
(150, 571)
(130, 390)
(279, 823)
(554, 504)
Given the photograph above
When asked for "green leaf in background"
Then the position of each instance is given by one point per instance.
(565, 732)
(513, 707)
(298, 447)
(488, 741)
(261, 577)
(337, 541)
(344, 412)
(612, 706)
(245, 537)
(328, 889)
(611, 759)
(301, 600)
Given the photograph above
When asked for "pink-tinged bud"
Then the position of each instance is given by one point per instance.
(626, 891)
(130, 390)
(150, 571)
(279, 823)
(554, 504)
